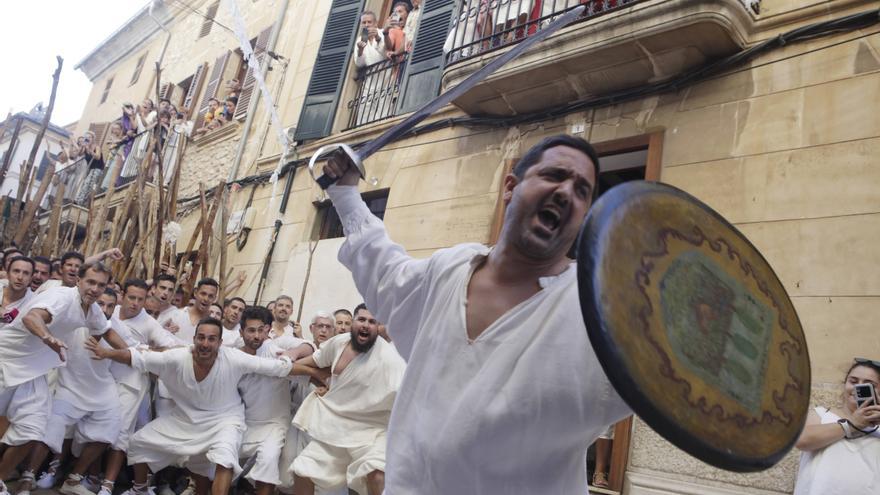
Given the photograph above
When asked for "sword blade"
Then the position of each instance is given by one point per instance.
(442, 100)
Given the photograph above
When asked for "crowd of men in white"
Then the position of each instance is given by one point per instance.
(88, 371)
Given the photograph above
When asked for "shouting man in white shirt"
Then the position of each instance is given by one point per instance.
(348, 424)
(477, 327)
(203, 431)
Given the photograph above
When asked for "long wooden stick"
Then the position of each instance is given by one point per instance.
(9, 151)
(224, 220)
(204, 251)
(30, 211)
(54, 220)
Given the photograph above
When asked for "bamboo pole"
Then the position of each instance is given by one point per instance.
(30, 211)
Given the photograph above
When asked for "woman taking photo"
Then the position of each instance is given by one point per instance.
(841, 445)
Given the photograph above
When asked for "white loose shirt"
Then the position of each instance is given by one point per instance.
(166, 313)
(374, 51)
(511, 412)
(11, 310)
(140, 330)
(86, 383)
(23, 356)
(232, 338)
(214, 399)
(186, 328)
(355, 410)
(266, 398)
(49, 284)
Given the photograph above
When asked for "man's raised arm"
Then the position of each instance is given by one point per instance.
(393, 283)
(36, 321)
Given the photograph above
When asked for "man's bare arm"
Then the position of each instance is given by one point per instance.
(114, 253)
(122, 356)
(114, 339)
(36, 321)
(308, 367)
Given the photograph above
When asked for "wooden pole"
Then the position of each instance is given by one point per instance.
(224, 221)
(30, 211)
(9, 151)
(54, 220)
(204, 251)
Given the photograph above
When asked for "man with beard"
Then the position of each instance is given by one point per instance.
(31, 346)
(139, 330)
(42, 271)
(232, 310)
(347, 425)
(343, 321)
(266, 402)
(16, 287)
(203, 432)
(162, 294)
(185, 320)
(471, 319)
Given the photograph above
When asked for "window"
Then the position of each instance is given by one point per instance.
(138, 69)
(209, 20)
(106, 91)
(329, 225)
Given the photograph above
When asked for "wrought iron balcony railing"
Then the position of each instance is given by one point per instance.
(378, 89)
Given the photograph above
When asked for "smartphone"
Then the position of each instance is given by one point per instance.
(865, 393)
(365, 33)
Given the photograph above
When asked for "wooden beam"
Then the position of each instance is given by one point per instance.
(33, 204)
(54, 220)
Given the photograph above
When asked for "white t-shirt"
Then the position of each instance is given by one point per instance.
(266, 398)
(166, 313)
(11, 310)
(845, 467)
(524, 400)
(216, 397)
(23, 356)
(187, 329)
(49, 284)
(140, 330)
(232, 338)
(86, 383)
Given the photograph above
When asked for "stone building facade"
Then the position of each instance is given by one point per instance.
(782, 144)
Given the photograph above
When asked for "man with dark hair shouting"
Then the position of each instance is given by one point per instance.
(347, 425)
(479, 328)
(203, 431)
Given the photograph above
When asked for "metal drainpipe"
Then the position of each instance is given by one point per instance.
(255, 96)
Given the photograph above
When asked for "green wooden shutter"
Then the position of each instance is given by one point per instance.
(213, 85)
(250, 82)
(425, 69)
(322, 97)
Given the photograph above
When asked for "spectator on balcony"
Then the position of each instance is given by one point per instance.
(233, 88)
(129, 127)
(146, 118)
(212, 117)
(412, 24)
(115, 144)
(94, 159)
(370, 48)
(164, 105)
(510, 18)
(395, 39)
(470, 33)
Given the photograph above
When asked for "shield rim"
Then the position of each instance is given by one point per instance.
(611, 358)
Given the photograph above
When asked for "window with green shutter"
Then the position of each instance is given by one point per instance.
(422, 80)
(322, 97)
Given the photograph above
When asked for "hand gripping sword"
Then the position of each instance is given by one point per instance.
(362, 153)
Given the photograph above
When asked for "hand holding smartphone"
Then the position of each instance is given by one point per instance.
(865, 393)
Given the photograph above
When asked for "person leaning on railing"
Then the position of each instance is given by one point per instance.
(841, 445)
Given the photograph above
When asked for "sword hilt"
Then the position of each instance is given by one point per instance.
(325, 152)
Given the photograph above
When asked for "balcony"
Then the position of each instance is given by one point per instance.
(132, 163)
(378, 89)
(617, 44)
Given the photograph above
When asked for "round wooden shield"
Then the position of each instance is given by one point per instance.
(692, 327)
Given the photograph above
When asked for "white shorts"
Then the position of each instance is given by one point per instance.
(264, 441)
(332, 467)
(27, 406)
(294, 444)
(131, 406)
(88, 426)
(168, 441)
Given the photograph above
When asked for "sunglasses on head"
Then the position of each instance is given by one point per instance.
(866, 361)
